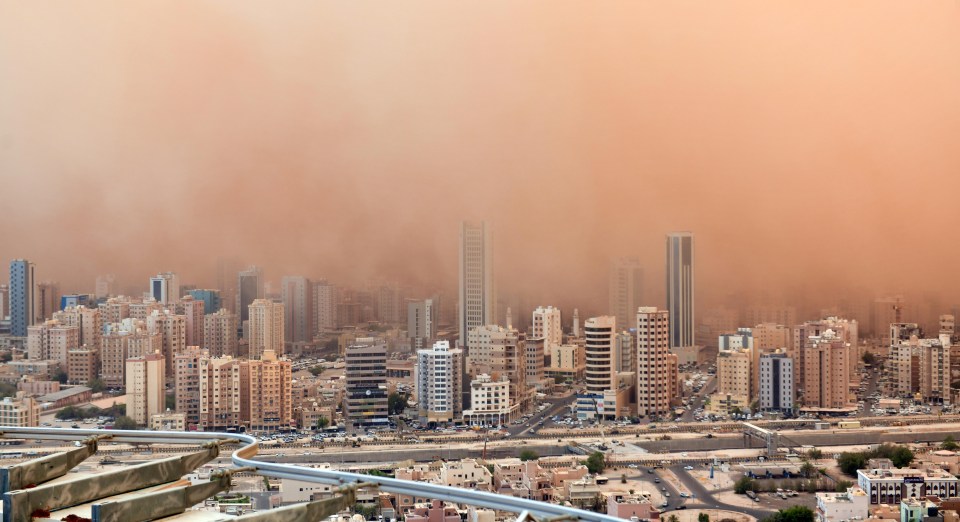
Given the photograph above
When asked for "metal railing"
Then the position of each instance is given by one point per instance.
(243, 457)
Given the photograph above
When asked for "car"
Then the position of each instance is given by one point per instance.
(688, 468)
(633, 466)
(683, 495)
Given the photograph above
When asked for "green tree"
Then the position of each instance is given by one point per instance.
(792, 514)
(703, 517)
(869, 358)
(851, 461)
(7, 389)
(322, 422)
(396, 403)
(842, 485)
(528, 454)
(743, 485)
(6, 357)
(673, 518)
(60, 376)
(901, 456)
(815, 454)
(949, 443)
(125, 423)
(317, 370)
(95, 385)
(808, 470)
(596, 463)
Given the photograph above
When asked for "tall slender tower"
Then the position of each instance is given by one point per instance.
(654, 374)
(249, 288)
(680, 271)
(23, 301)
(297, 296)
(477, 298)
(626, 290)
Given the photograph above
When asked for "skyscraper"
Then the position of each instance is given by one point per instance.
(23, 303)
(438, 383)
(165, 288)
(626, 289)
(599, 333)
(297, 295)
(145, 387)
(249, 288)
(324, 306)
(680, 279)
(477, 292)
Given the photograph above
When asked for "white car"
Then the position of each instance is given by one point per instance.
(688, 468)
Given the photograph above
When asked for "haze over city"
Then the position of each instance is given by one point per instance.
(808, 146)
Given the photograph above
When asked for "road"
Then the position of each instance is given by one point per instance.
(704, 499)
(560, 405)
(699, 399)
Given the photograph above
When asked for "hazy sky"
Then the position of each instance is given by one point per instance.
(805, 143)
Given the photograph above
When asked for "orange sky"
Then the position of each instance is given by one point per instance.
(807, 144)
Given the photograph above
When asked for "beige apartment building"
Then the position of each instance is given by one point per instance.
(827, 362)
(173, 331)
(145, 387)
(266, 404)
(82, 365)
(265, 328)
(655, 369)
(735, 377)
(192, 311)
(88, 320)
(51, 340)
(500, 353)
(220, 333)
(219, 393)
(19, 411)
(567, 361)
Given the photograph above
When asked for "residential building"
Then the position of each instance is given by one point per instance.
(145, 387)
(193, 312)
(847, 330)
(547, 325)
(490, 403)
(768, 337)
(48, 299)
(654, 375)
(680, 284)
(297, 296)
(438, 383)
(827, 372)
(82, 365)
(423, 317)
(534, 349)
(266, 327)
(23, 297)
(365, 370)
(52, 340)
(854, 504)
(741, 340)
(324, 306)
(142, 309)
(624, 352)
(104, 286)
(88, 320)
(777, 390)
(19, 411)
(734, 380)
(220, 333)
(219, 393)
(168, 421)
(115, 309)
(631, 506)
(467, 474)
(568, 361)
(121, 341)
(599, 335)
(770, 313)
(500, 353)
(173, 331)
(265, 384)
(477, 290)
(187, 365)
(436, 512)
(625, 289)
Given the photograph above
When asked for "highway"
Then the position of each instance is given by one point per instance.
(704, 499)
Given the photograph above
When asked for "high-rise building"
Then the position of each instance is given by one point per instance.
(624, 352)
(365, 369)
(83, 365)
(626, 289)
(20, 411)
(192, 310)
(173, 330)
(777, 314)
(51, 340)
(211, 299)
(680, 294)
(219, 393)
(265, 392)
(266, 327)
(297, 296)
(4, 301)
(741, 340)
(599, 348)
(654, 373)
(104, 286)
(534, 349)
(48, 299)
(771, 336)
(568, 361)
(422, 320)
(478, 298)
(23, 297)
(324, 306)
(848, 330)
(734, 380)
(89, 320)
(777, 391)
(827, 372)
(121, 341)
(249, 289)
(547, 325)
(165, 288)
(438, 383)
(142, 309)
(390, 299)
(145, 387)
(220, 333)
(187, 383)
(935, 370)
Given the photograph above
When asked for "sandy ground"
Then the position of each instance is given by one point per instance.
(690, 515)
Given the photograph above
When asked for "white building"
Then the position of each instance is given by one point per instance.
(890, 486)
(546, 325)
(777, 391)
(599, 349)
(742, 340)
(843, 507)
(490, 402)
(478, 298)
(145, 387)
(439, 383)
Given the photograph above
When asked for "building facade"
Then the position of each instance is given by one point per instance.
(477, 291)
(680, 288)
(654, 374)
(439, 383)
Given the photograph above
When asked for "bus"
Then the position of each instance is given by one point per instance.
(848, 425)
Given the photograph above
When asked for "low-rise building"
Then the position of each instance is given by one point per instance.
(168, 421)
(627, 506)
(843, 507)
(435, 512)
(890, 486)
(466, 473)
(19, 411)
